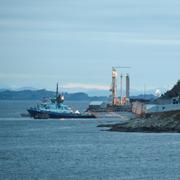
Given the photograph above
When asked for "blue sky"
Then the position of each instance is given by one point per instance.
(76, 42)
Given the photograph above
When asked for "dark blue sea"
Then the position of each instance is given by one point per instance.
(78, 150)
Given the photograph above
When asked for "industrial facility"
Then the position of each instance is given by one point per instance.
(122, 99)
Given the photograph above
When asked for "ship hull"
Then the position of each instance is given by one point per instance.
(54, 115)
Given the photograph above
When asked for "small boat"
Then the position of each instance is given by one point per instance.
(55, 109)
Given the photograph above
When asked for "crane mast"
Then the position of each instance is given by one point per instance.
(115, 100)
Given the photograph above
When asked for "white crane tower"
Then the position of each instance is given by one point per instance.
(115, 100)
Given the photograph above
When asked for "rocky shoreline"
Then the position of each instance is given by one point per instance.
(155, 123)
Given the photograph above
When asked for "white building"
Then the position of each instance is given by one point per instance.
(142, 108)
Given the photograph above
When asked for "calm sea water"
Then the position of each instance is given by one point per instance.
(78, 150)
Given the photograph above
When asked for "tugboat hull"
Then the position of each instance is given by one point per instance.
(54, 115)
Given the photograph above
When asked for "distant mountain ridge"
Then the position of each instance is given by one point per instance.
(144, 96)
(42, 93)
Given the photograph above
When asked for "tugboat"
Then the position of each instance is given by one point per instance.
(55, 109)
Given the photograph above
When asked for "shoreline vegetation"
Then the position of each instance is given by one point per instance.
(155, 123)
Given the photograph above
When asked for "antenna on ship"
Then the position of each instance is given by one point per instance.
(59, 98)
(57, 90)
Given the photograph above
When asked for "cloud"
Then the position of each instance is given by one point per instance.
(85, 86)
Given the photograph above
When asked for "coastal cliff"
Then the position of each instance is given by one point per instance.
(159, 122)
